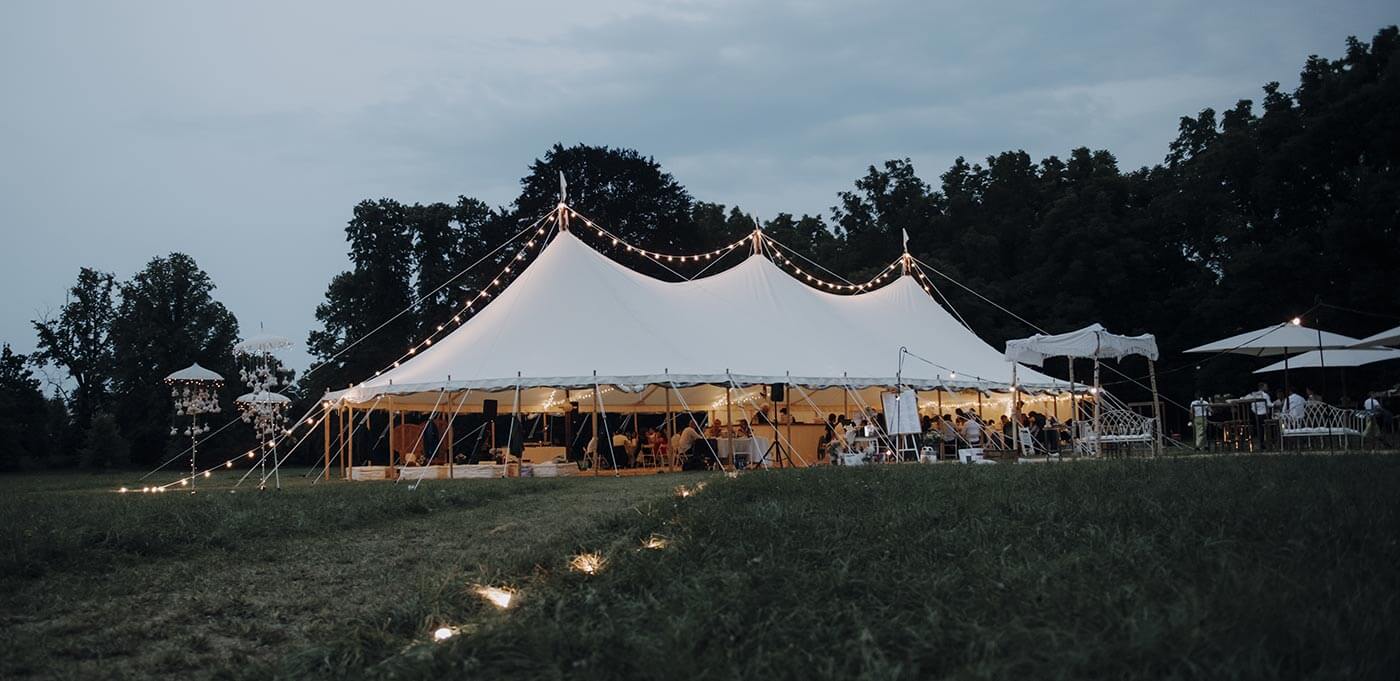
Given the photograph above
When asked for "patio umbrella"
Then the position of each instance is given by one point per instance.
(1334, 358)
(1281, 339)
(1389, 337)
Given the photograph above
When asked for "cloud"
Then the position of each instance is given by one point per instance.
(243, 134)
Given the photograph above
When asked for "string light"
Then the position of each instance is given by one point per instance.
(443, 633)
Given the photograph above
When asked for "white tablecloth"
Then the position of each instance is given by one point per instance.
(756, 447)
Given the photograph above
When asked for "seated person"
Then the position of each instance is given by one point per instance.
(972, 432)
(744, 430)
(715, 429)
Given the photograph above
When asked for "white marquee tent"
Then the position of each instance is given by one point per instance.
(573, 312)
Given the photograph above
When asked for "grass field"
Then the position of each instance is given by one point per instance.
(1261, 567)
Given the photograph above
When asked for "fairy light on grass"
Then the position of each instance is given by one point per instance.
(443, 633)
(588, 563)
(500, 597)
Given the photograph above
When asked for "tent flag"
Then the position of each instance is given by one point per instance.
(905, 232)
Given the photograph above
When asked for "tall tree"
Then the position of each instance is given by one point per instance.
(77, 341)
(23, 413)
(367, 318)
(167, 319)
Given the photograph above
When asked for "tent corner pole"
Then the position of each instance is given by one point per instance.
(326, 432)
(1098, 404)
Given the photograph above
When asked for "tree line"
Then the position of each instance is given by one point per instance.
(1258, 213)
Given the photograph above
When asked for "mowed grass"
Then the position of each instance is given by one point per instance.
(1261, 567)
(1269, 567)
(216, 585)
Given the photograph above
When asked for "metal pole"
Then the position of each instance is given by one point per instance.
(1098, 402)
(1073, 412)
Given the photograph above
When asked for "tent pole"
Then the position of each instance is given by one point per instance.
(451, 421)
(597, 441)
(1015, 412)
(1098, 403)
(392, 440)
(787, 405)
(845, 399)
(1073, 411)
(729, 418)
(347, 454)
(326, 432)
(1156, 408)
(670, 426)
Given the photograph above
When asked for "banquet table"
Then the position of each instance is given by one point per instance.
(756, 447)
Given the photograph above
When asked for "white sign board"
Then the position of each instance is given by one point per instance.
(901, 412)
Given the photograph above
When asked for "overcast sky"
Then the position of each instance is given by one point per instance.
(244, 134)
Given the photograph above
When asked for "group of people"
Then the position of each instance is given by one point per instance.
(949, 432)
(1264, 408)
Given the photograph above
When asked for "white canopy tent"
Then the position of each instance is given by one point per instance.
(576, 326)
(574, 312)
(1097, 343)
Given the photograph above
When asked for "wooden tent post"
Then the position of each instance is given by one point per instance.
(729, 417)
(1016, 413)
(787, 407)
(1073, 412)
(1098, 401)
(1156, 409)
(393, 453)
(597, 441)
(326, 431)
(349, 427)
(670, 429)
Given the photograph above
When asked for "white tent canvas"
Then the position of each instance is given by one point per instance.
(573, 311)
(1092, 341)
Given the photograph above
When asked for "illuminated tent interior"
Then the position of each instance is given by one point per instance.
(574, 321)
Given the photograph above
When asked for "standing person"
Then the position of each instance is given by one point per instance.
(1297, 408)
(1200, 413)
(1259, 412)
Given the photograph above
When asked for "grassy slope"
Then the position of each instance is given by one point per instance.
(100, 585)
(1255, 568)
(1259, 567)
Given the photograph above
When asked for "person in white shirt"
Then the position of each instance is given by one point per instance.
(1200, 415)
(1297, 407)
(972, 432)
(1259, 410)
(685, 442)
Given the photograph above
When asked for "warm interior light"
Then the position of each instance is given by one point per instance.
(498, 596)
(588, 563)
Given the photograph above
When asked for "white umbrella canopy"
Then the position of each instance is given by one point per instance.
(263, 398)
(263, 342)
(194, 374)
(1282, 339)
(1333, 359)
(1389, 337)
